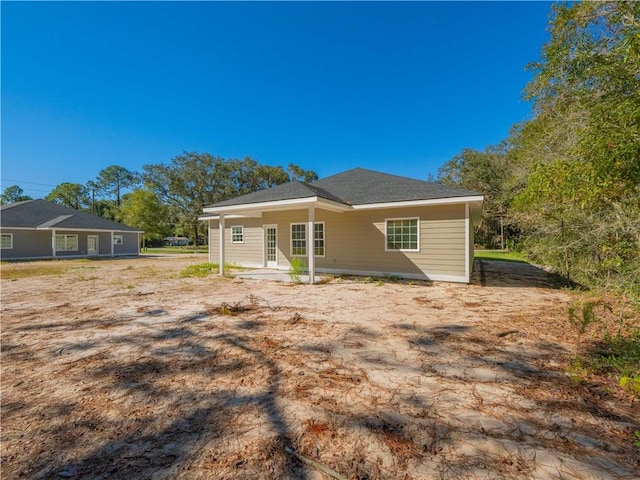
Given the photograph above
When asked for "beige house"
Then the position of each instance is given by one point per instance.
(357, 222)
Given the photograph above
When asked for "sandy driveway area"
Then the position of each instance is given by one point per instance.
(124, 369)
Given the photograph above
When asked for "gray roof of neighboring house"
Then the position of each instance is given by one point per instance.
(47, 215)
(358, 186)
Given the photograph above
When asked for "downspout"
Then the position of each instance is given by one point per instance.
(112, 244)
(221, 239)
(53, 242)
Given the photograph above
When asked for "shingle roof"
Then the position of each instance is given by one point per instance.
(358, 186)
(44, 214)
(286, 191)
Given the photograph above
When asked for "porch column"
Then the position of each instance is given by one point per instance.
(221, 242)
(53, 242)
(111, 245)
(311, 246)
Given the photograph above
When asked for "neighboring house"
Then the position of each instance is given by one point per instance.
(42, 229)
(357, 222)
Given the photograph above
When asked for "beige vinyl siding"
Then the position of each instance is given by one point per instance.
(249, 252)
(355, 240)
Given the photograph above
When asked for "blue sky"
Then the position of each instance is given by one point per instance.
(395, 87)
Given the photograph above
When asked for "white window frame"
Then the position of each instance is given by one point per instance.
(386, 233)
(241, 234)
(118, 239)
(306, 242)
(304, 225)
(66, 246)
(10, 235)
(315, 239)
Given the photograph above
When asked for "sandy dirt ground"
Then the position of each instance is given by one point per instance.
(123, 369)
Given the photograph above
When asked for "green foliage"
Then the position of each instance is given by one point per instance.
(194, 180)
(296, 268)
(13, 194)
(491, 173)
(72, 195)
(636, 434)
(615, 354)
(143, 210)
(502, 255)
(566, 184)
(114, 179)
(199, 270)
(581, 202)
(189, 249)
(632, 385)
(297, 173)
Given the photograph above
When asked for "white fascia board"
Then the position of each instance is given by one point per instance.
(71, 229)
(263, 206)
(232, 216)
(419, 203)
(249, 209)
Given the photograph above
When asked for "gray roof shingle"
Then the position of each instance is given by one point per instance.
(43, 214)
(358, 186)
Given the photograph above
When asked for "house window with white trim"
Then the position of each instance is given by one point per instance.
(237, 234)
(318, 239)
(6, 241)
(66, 243)
(299, 239)
(402, 234)
(118, 240)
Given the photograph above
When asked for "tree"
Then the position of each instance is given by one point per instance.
(581, 202)
(114, 179)
(487, 172)
(13, 194)
(72, 195)
(193, 180)
(142, 209)
(297, 173)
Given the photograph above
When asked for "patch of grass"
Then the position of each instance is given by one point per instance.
(199, 270)
(27, 270)
(164, 250)
(502, 255)
(615, 355)
(296, 269)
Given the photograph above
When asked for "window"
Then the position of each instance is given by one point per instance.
(237, 234)
(318, 239)
(118, 240)
(402, 234)
(299, 239)
(6, 240)
(66, 243)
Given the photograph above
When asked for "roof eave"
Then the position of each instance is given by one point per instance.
(277, 205)
(83, 229)
(419, 203)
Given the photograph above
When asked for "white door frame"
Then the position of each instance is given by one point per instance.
(267, 263)
(97, 249)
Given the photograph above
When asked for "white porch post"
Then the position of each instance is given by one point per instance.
(111, 245)
(311, 246)
(209, 241)
(467, 246)
(221, 240)
(53, 242)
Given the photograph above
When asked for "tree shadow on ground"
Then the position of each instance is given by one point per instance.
(498, 273)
